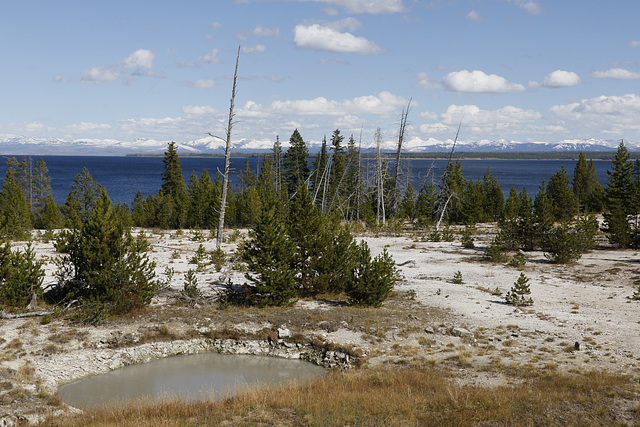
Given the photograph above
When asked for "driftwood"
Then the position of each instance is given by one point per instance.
(5, 315)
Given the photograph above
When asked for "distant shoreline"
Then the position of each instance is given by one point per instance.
(520, 155)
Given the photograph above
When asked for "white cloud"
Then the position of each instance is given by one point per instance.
(350, 24)
(473, 16)
(202, 84)
(617, 74)
(560, 78)
(141, 58)
(607, 114)
(85, 127)
(425, 81)
(317, 37)
(634, 43)
(197, 110)
(209, 58)
(473, 115)
(529, 6)
(276, 79)
(478, 82)
(215, 25)
(367, 6)
(259, 31)
(58, 78)
(260, 48)
(100, 74)
(383, 103)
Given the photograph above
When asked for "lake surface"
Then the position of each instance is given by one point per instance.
(124, 176)
(193, 377)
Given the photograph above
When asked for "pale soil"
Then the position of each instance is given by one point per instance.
(429, 320)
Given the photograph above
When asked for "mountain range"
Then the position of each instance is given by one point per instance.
(110, 147)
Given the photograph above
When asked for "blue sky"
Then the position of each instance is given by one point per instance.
(524, 70)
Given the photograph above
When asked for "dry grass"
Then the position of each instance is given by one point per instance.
(395, 396)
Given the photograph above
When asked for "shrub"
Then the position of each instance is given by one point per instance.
(493, 252)
(20, 276)
(190, 288)
(105, 267)
(518, 292)
(457, 278)
(467, 237)
(372, 280)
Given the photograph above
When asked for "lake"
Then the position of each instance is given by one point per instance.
(124, 176)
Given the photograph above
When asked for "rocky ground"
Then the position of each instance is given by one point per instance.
(582, 319)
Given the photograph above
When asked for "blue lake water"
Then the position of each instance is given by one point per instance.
(124, 176)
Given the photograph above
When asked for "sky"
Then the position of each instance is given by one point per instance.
(523, 70)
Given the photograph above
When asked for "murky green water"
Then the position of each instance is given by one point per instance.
(193, 377)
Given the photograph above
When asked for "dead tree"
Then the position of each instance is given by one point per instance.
(227, 157)
(403, 127)
(379, 179)
(446, 189)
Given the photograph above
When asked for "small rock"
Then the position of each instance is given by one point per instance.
(461, 332)
(429, 330)
(284, 333)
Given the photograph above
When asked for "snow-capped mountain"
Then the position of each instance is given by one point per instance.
(212, 145)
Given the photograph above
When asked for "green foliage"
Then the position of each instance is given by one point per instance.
(190, 287)
(494, 252)
(50, 217)
(16, 220)
(467, 237)
(295, 162)
(621, 203)
(218, 259)
(589, 193)
(517, 260)
(267, 254)
(105, 267)
(372, 280)
(563, 200)
(21, 276)
(457, 278)
(81, 200)
(519, 291)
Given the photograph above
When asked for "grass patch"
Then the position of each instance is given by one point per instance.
(395, 396)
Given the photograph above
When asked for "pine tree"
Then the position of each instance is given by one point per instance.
(621, 199)
(450, 193)
(519, 291)
(296, 162)
(106, 267)
(16, 219)
(319, 173)
(408, 203)
(492, 196)
(267, 254)
(50, 217)
(562, 196)
(173, 187)
(21, 276)
(354, 179)
(338, 170)
(81, 200)
(371, 280)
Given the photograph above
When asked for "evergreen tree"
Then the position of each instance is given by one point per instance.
(519, 291)
(492, 196)
(21, 276)
(106, 267)
(543, 213)
(354, 179)
(16, 219)
(408, 203)
(562, 196)
(319, 173)
(450, 194)
(267, 254)
(621, 199)
(173, 187)
(265, 184)
(371, 280)
(50, 217)
(81, 199)
(296, 162)
(338, 170)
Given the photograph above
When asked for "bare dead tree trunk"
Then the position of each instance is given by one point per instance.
(446, 189)
(403, 126)
(227, 157)
(379, 177)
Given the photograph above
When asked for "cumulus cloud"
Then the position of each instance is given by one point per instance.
(202, 84)
(479, 82)
(209, 58)
(366, 6)
(317, 37)
(383, 103)
(425, 81)
(100, 74)
(473, 16)
(141, 58)
(559, 78)
(617, 74)
(260, 48)
(608, 114)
